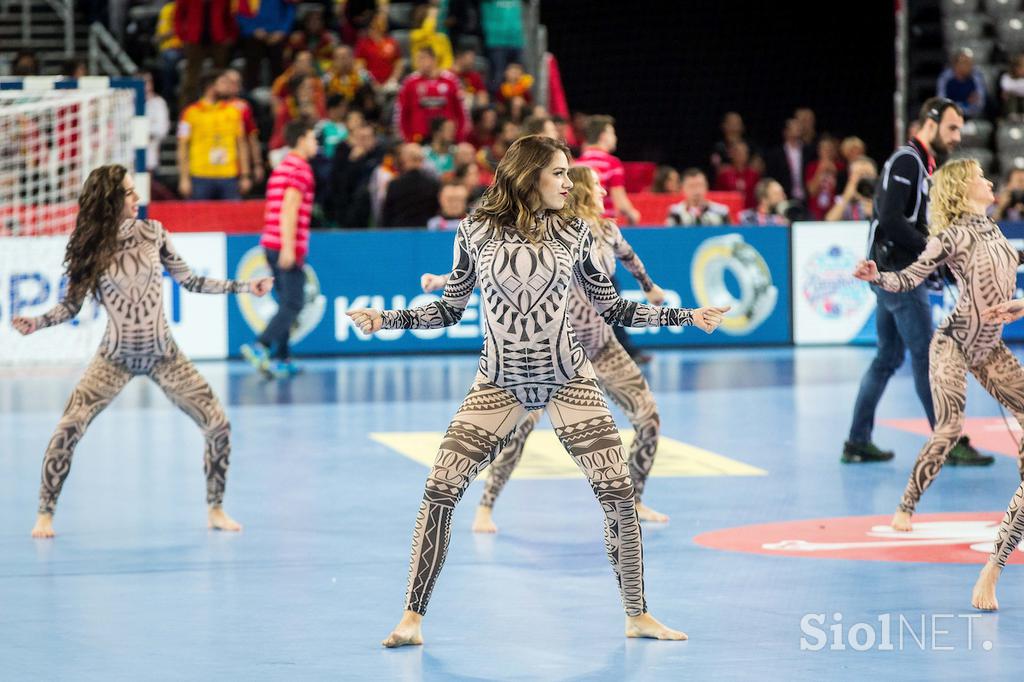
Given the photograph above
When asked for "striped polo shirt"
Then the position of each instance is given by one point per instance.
(293, 171)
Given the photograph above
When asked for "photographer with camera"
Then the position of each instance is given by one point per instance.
(1011, 200)
(903, 320)
(855, 203)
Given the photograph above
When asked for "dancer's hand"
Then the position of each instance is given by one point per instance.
(260, 286)
(708, 318)
(431, 282)
(25, 325)
(866, 271)
(367, 319)
(656, 296)
(1004, 313)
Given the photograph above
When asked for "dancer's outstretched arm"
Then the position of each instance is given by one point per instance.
(183, 275)
(936, 252)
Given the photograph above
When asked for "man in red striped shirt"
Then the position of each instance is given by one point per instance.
(286, 242)
(597, 154)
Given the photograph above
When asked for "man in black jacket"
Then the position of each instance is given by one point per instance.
(898, 236)
(411, 198)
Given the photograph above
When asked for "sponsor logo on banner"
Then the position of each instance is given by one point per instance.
(829, 288)
(731, 255)
(258, 311)
(955, 538)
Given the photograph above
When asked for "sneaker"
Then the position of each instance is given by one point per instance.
(286, 369)
(856, 453)
(257, 356)
(963, 454)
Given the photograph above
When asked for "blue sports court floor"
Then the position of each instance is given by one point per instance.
(327, 473)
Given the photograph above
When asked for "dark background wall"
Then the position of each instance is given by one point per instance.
(668, 70)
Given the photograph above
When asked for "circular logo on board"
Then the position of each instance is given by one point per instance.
(829, 288)
(257, 311)
(954, 538)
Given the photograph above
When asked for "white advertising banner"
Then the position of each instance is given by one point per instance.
(32, 282)
(829, 304)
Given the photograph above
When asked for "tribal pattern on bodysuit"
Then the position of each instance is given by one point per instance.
(985, 267)
(530, 347)
(138, 341)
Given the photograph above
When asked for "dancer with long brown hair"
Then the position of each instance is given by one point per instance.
(121, 260)
(618, 374)
(524, 251)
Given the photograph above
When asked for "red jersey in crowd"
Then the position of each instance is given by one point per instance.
(248, 119)
(472, 82)
(379, 57)
(295, 172)
(609, 170)
(743, 181)
(424, 98)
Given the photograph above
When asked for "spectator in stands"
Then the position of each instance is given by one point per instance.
(313, 35)
(345, 77)
(856, 201)
(539, 125)
(208, 29)
(788, 162)
(491, 156)
(666, 181)
(502, 22)
(822, 177)
(566, 134)
(695, 209)
(440, 153)
(738, 175)
(380, 53)
(807, 120)
(851, 149)
(230, 89)
(159, 118)
(285, 242)
(1011, 84)
(468, 175)
(1010, 205)
(600, 142)
(213, 156)
(170, 51)
(348, 203)
(426, 94)
(454, 200)
(425, 34)
(303, 68)
(485, 127)
(411, 198)
(770, 198)
(963, 84)
(264, 36)
(302, 105)
(74, 68)
(474, 89)
(354, 18)
(25, 64)
(733, 130)
(514, 96)
(332, 131)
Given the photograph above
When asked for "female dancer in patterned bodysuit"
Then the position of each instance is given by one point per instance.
(122, 260)
(985, 266)
(618, 374)
(524, 254)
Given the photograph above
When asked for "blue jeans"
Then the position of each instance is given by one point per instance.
(288, 287)
(904, 322)
(212, 189)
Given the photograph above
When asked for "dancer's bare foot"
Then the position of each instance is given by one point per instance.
(217, 519)
(645, 513)
(483, 522)
(408, 631)
(43, 527)
(901, 521)
(984, 595)
(647, 626)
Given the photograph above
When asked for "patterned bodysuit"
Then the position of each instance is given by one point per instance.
(138, 341)
(985, 267)
(618, 375)
(531, 360)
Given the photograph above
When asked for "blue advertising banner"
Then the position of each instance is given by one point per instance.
(747, 268)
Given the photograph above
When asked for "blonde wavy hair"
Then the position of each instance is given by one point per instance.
(514, 197)
(948, 198)
(582, 201)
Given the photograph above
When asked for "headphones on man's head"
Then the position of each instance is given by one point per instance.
(935, 112)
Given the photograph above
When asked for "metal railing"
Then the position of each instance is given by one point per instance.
(106, 55)
(64, 9)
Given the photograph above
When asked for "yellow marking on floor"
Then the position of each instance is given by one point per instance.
(544, 456)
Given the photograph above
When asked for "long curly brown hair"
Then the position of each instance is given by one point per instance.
(94, 241)
(511, 201)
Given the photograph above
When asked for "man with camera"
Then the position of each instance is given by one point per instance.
(855, 203)
(899, 232)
